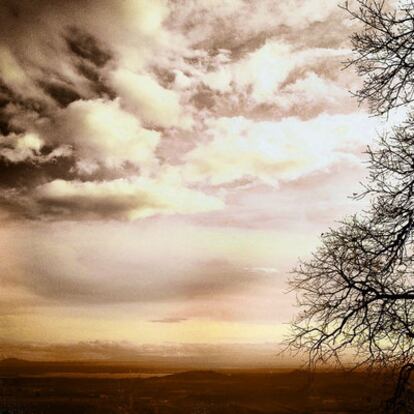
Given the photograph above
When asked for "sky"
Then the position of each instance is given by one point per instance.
(164, 164)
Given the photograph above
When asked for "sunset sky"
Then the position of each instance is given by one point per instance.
(163, 164)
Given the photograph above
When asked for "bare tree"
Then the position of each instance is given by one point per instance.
(384, 53)
(357, 290)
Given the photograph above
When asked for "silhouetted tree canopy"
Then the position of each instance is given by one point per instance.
(384, 53)
(356, 292)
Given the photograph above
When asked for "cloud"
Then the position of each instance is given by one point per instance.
(118, 94)
(83, 278)
(121, 198)
(155, 104)
(315, 93)
(215, 21)
(14, 76)
(276, 75)
(262, 71)
(158, 157)
(60, 115)
(19, 148)
(70, 45)
(276, 151)
(169, 320)
(306, 205)
(103, 133)
(123, 27)
(115, 271)
(16, 148)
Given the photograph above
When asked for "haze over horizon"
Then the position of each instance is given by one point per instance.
(163, 166)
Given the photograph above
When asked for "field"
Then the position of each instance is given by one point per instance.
(111, 388)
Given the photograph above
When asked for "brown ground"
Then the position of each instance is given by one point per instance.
(47, 389)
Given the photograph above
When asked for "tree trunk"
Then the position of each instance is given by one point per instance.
(402, 401)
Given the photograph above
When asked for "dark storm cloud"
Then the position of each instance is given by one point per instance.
(18, 178)
(44, 50)
(98, 84)
(62, 94)
(41, 52)
(86, 47)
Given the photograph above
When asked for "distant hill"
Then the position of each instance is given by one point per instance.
(197, 376)
(14, 361)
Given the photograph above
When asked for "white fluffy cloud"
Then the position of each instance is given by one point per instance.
(122, 198)
(313, 89)
(155, 104)
(263, 73)
(102, 132)
(27, 147)
(262, 70)
(16, 148)
(271, 151)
